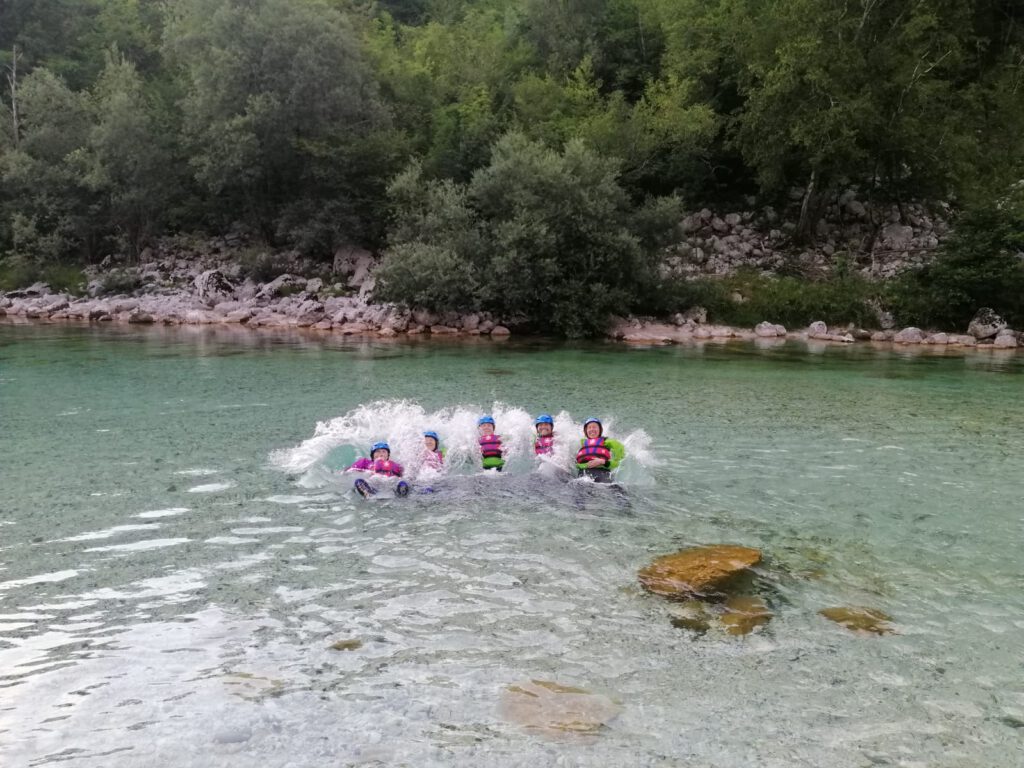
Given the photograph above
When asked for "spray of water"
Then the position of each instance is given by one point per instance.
(401, 423)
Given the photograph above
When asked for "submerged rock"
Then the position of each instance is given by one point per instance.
(352, 644)
(692, 615)
(744, 614)
(859, 619)
(698, 570)
(556, 709)
(985, 324)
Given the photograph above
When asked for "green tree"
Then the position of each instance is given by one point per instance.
(47, 210)
(128, 160)
(267, 82)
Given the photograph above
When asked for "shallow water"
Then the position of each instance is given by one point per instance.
(176, 558)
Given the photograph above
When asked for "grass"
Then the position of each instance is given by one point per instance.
(62, 278)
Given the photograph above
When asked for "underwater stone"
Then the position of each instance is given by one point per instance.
(860, 619)
(744, 614)
(698, 570)
(556, 709)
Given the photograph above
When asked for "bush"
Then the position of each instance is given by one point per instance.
(547, 236)
(787, 300)
(260, 265)
(62, 278)
(981, 265)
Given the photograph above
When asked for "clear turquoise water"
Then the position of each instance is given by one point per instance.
(169, 593)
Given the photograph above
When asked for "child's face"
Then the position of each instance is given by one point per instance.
(592, 430)
(381, 454)
(431, 443)
(544, 430)
(486, 429)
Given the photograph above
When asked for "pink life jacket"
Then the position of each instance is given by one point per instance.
(490, 446)
(387, 468)
(434, 459)
(544, 445)
(593, 448)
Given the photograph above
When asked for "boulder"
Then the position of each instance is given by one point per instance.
(940, 339)
(1005, 340)
(212, 286)
(881, 336)
(697, 570)
(500, 330)
(963, 339)
(323, 325)
(441, 330)
(471, 322)
(764, 328)
(697, 315)
(817, 330)
(387, 332)
(315, 285)
(986, 324)
(549, 707)
(702, 332)
(281, 285)
(860, 334)
(859, 619)
(909, 336)
(139, 317)
(486, 326)
(780, 330)
(425, 317)
(351, 329)
(238, 315)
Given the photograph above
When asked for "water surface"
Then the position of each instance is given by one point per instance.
(170, 586)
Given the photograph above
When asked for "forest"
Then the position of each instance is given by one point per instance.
(531, 158)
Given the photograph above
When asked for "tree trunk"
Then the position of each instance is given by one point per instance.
(810, 211)
(12, 79)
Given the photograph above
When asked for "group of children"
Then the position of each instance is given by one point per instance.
(598, 456)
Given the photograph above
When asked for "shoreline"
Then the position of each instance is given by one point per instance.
(721, 336)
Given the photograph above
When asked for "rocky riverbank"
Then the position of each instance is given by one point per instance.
(218, 281)
(986, 330)
(210, 287)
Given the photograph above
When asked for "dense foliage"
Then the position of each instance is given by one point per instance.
(124, 119)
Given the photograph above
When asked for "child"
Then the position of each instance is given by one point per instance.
(434, 452)
(490, 444)
(378, 465)
(598, 456)
(544, 444)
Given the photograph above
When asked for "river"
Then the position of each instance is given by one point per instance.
(185, 580)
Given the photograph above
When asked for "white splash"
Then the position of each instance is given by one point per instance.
(401, 423)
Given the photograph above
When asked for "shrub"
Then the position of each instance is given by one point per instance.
(547, 236)
(787, 300)
(981, 265)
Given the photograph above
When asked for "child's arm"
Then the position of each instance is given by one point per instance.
(361, 465)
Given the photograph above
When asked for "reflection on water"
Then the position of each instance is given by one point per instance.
(169, 596)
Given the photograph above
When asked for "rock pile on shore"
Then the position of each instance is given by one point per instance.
(208, 289)
(879, 242)
(986, 330)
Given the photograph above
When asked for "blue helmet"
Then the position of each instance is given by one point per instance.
(544, 418)
(593, 420)
(377, 446)
(433, 434)
(485, 420)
